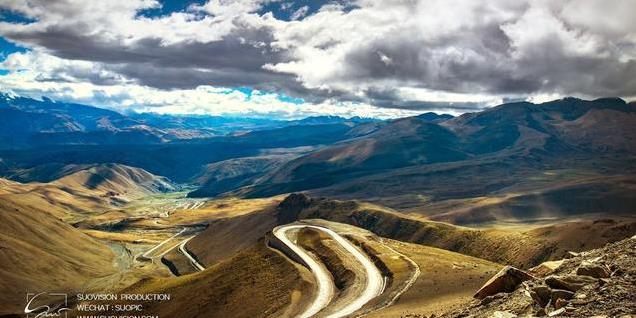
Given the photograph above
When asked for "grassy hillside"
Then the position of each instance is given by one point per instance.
(38, 252)
(94, 188)
(223, 176)
(257, 282)
(582, 197)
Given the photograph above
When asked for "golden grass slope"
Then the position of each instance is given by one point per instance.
(96, 188)
(257, 282)
(40, 253)
(447, 280)
(506, 246)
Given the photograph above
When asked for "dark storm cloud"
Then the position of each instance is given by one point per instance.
(547, 67)
(236, 60)
(390, 98)
(484, 65)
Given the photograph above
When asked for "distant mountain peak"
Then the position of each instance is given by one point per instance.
(434, 117)
(9, 94)
(48, 100)
(613, 100)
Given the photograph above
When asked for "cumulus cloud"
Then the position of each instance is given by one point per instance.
(397, 55)
(467, 47)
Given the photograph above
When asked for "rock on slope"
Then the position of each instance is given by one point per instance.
(600, 282)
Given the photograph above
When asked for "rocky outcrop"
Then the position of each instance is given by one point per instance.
(593, 270)
(290, 208)
(569, 282)
(594, 283)
(541, 294)
(507, 280)
(546, 268)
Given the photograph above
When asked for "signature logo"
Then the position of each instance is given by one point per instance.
(36, 308)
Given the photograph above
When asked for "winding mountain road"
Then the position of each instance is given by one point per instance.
(152, 250)
(373, 278)
(185, 252)
(152, 253)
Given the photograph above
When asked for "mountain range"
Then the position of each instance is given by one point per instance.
(475, 168)
(31, 122)
(191, 205)
(570, 155)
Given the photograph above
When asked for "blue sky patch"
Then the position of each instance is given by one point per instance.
(289, 99)
(7, 47)
(14, 17)
(168, 7)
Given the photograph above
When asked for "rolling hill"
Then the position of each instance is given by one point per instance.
(90, 189)
(41, 250)
(522, 247)
(455, 260)
(38, 251)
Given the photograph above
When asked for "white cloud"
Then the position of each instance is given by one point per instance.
(394, 54)
(32, 73)
(300, 13)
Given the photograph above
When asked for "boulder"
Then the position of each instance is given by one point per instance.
(546, 268)
(593, 270)
(507, 280)
(569, 282)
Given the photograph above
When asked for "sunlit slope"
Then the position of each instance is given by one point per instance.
(522, 248)
(38, 252)
(93, 189)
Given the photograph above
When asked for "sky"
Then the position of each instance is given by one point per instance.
(292, 59)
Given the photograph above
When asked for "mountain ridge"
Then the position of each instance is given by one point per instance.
(32, 122)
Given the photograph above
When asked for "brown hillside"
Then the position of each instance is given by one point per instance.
(94, 189)
(257, 282)
(40, 253)
(519, 248)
